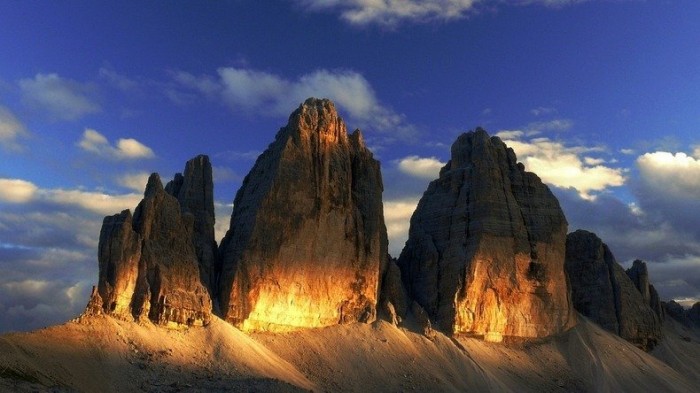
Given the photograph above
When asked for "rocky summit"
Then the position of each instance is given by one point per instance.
(485, 253)
(148, 266)
(603, 291)
(307, 240)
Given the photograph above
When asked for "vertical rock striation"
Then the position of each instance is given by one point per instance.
(148, 262)
(602, 291)
(195, 193)
(307, 239)
(485, 253)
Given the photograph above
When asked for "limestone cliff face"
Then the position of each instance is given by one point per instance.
(307, 239)
(119, 252)
(485, 253)
(195, 193)
(148, 263)
(602, 291)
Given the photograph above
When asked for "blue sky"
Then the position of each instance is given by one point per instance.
(599, 98)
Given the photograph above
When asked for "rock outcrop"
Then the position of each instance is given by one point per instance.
(307, 239)
(602, 291)
(485, 253)
(148, 266)
(195, 192)
(393, 300)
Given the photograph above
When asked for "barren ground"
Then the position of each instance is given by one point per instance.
(102, 354)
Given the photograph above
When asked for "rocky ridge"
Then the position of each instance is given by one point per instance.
(485, 253)
(307, 247)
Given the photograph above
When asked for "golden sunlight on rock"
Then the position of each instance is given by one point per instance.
(307, 241)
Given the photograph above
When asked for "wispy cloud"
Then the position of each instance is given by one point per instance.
(543, 110)
(249, 90)
(121, 82)
(236, 155)
(549, 125)
(392, 12)
(125, 149)
(11, 129)
(61, 98)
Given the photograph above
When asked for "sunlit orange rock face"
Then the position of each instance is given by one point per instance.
(486, 247)
(307, 237)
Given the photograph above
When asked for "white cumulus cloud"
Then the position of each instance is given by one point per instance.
(17, 190)
(672, 174)
(62, 98)
(422, 167)
(125, 149)
(565, 166)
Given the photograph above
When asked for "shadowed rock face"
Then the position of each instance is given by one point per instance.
(148, 264)
(602, 291)
(485, 254)
(195, 193)
(307, 239)
(639, 275)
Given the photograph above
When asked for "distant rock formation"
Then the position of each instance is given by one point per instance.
(689, 317)
(307, 239)
(485, 253)
(195, 193)
(602, 291)
(148, 266)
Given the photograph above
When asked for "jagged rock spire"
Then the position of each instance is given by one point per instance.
(148, 263)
